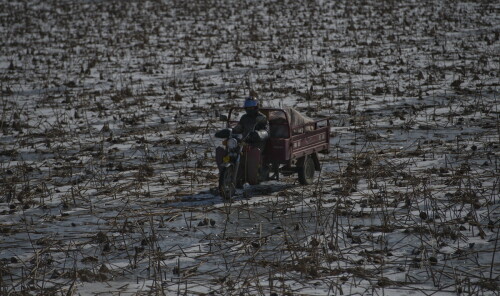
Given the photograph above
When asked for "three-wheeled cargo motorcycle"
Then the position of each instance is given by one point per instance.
(293, 146)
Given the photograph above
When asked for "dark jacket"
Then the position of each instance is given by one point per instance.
(247, 124)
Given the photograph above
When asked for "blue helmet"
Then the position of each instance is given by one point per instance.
(251, 102)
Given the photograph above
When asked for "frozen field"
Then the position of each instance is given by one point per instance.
(108, 184)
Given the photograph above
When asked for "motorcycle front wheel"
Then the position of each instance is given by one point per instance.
(227, 187)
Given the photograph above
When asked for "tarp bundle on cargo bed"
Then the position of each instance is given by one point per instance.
(277, 121)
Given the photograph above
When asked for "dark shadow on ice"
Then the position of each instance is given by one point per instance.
(203, 198)
(212, 197)
(263, 189)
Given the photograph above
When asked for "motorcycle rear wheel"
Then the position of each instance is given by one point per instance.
(227, 187)
(306, 172)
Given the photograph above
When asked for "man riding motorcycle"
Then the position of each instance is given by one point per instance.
(253, 125)
(254, 128)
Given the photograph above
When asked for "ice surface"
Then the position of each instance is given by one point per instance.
(108, 181)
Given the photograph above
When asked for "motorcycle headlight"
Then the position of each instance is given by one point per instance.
(232, 143)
